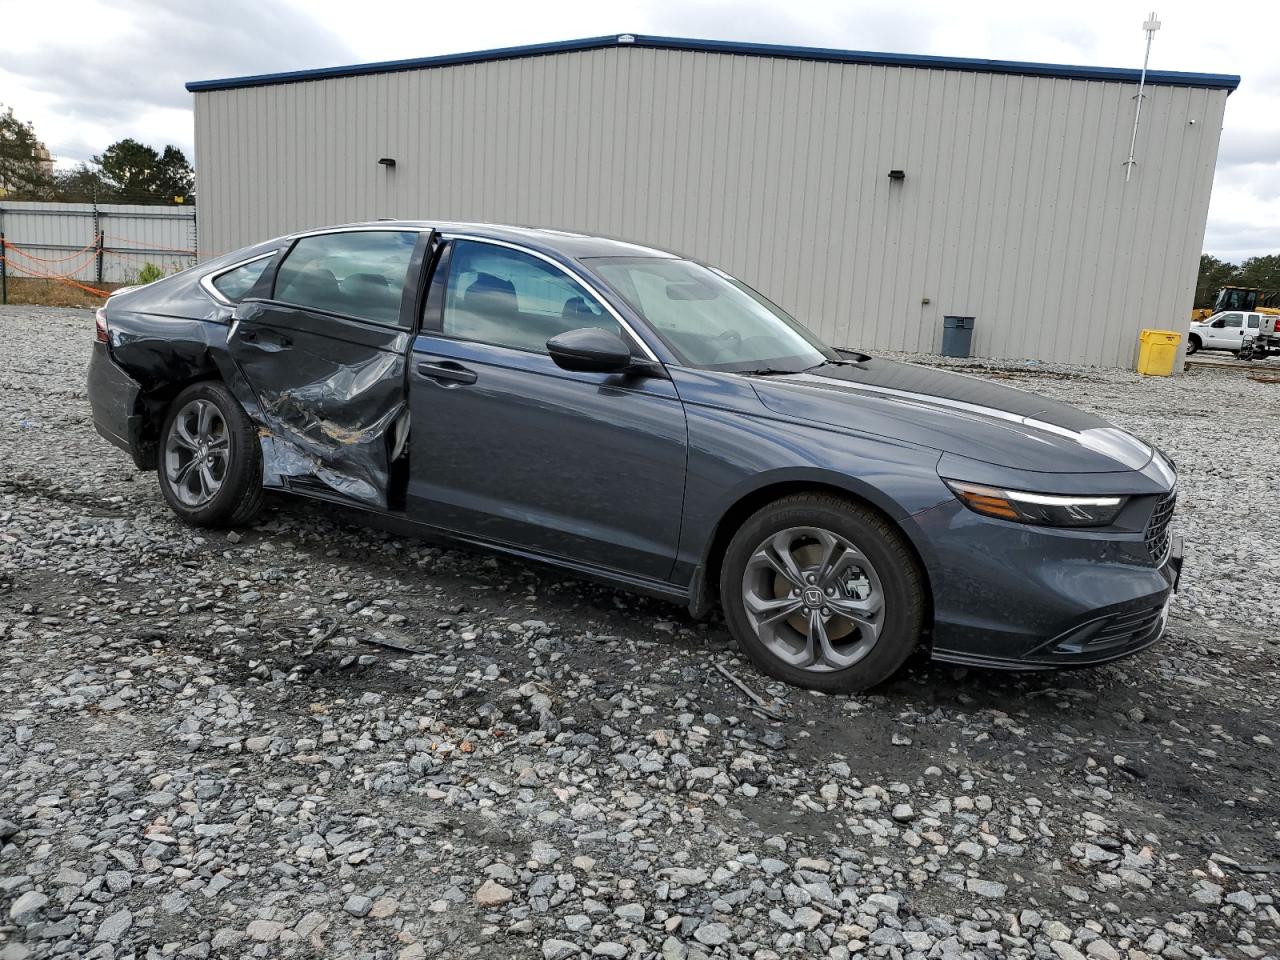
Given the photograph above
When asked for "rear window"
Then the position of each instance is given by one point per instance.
(235, 284)
(358, 273)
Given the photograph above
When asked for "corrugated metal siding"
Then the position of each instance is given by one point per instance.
(1014, 209)
(57, 239)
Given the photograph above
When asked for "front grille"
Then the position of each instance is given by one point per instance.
(1157, 532)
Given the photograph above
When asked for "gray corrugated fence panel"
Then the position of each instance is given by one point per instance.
(61, 236)
(1014, 208)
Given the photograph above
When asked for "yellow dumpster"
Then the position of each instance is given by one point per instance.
(1157, 353)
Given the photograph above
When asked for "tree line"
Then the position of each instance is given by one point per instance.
(1261, 272)
(125, 172)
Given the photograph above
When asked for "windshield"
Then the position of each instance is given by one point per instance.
(708, 319)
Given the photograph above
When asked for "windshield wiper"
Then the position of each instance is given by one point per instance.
(768, 372)
(842, 362)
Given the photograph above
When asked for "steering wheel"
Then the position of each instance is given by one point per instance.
(733, 337)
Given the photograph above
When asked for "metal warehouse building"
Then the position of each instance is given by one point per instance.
(869, 194)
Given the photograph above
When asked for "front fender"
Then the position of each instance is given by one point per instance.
(736, 458)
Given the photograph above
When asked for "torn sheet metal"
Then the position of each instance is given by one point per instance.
(329, 411)
(338, 429)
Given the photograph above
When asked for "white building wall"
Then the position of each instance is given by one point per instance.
(1014, 209)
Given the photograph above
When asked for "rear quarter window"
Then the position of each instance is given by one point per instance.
(235, 284)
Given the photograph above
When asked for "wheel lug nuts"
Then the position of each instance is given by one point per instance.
(826, 612)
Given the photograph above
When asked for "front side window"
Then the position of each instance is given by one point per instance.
(1232, 320)
(510, 299)
(709, 319)
(358, 274)
(235, 284)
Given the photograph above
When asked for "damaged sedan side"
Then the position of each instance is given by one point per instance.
(639, 417)
(307, 336)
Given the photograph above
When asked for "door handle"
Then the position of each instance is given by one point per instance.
(447, 371)
(276, 340)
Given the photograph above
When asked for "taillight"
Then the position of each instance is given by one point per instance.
(100, 325)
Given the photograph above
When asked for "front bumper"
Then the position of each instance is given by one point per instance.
(1024, 598)
(113, 399)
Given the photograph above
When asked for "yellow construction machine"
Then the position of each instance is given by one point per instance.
(1247, 299)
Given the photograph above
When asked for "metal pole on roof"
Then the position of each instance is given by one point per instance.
(1151, 26)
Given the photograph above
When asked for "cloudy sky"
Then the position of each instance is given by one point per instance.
(87, 72)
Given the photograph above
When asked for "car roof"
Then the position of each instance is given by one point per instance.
(564, 244)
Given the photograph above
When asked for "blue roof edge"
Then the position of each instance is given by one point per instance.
(1168, 78)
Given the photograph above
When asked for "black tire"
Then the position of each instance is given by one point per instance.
(1193, 345)
(901, 579)
(239, 497)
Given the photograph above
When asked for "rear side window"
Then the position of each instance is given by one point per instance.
(1253, 321)
(236, 284)
(511, 299)
(358, 274)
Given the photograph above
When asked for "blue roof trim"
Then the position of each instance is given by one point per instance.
(1168, 78)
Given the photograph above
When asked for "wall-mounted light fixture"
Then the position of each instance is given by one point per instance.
(388, 162)
(897, 175)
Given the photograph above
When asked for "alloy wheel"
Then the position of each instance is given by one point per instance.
(197, 452)
(813, 598)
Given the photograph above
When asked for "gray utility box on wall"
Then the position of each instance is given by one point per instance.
(957, 336)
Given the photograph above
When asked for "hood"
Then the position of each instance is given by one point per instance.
(955, 413)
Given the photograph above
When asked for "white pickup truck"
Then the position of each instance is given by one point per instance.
(1224, 331)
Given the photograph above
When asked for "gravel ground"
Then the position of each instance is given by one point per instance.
(208, 749)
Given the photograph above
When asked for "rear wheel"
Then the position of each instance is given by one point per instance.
(823, 593)
(1193, 345)
(210, 466)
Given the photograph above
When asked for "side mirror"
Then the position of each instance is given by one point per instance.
(589, 350)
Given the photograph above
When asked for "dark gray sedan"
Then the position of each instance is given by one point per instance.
(645, 419)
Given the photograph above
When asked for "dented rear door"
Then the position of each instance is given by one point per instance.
(324, 357)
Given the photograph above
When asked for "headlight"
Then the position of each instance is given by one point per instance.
(1049, 510)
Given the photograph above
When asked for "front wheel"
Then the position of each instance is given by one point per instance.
(1193, 345)
(823, 593)
(210, 462)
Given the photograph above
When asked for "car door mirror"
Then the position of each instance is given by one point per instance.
(1218, 324)
(589, 350)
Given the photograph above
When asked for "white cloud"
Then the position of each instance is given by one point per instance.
(89, 73)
